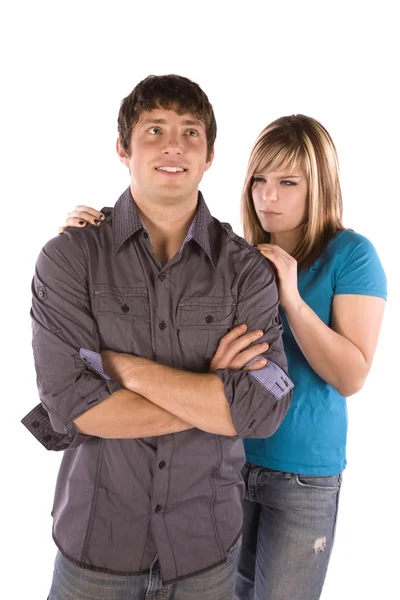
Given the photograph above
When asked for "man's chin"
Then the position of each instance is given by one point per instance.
(172, 194)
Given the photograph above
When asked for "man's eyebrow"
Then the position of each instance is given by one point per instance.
(195, 123)
(156, 121)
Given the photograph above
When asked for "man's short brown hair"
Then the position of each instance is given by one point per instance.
(169, 92)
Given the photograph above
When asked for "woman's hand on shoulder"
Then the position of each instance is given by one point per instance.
(80, 216)
(286, 269)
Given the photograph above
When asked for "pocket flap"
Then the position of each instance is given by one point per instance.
(207, 312)
(128, 301)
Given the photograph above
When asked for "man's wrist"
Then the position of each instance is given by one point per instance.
(118, 366)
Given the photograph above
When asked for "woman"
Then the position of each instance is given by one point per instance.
(332, 292)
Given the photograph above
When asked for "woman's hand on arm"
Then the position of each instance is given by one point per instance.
(81, 216)
(286, 269)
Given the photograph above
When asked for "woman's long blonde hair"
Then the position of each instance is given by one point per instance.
(301, 142)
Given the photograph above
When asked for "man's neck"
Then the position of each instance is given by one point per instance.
(167, 225)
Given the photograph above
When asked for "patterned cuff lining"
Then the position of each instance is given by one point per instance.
(93, 359)
(273, 378)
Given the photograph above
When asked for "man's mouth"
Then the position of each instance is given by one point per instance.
(171, 169)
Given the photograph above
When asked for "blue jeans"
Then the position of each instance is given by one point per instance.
(288, 532)
(71, 582)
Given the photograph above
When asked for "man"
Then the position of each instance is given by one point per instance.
(148, 497)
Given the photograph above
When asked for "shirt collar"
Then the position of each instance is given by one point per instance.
(126, 222)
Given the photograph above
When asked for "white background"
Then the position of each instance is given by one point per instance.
(65, 68)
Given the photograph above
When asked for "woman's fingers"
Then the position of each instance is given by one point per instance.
(82, 215)
(75, 222)
(92, 212)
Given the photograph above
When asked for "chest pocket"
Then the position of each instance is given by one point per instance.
(201, 323)
(123, 317)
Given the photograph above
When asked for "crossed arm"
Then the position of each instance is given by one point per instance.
(187, 399)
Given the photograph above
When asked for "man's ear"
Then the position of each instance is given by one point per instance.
(123, 157)
(210, 160)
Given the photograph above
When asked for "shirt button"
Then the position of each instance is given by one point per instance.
(161, 465)
(125, 308)
(145, 235)
(162, 276)
(41, 294)
(35, 424)
(209, 319)
(47, 438)
(162, 325)
(158, 508)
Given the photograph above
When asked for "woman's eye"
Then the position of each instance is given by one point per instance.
(257, 179)
(288, 183)
(154, 130)
(192, 133)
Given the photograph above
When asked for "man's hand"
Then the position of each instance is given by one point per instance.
(233, 352)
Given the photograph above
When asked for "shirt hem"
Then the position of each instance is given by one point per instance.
(360, 292)
(83, 565)
(295, 468)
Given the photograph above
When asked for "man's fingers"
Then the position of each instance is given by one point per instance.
(233, 334)
(244, 357)
(241, 343)
(256, 365)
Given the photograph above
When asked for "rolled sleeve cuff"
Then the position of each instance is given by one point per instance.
(38, 422)
(272, 378)
(257, 405)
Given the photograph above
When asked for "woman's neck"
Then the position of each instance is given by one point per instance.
(287, 240)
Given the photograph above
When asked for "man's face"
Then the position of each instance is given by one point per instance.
(168, 157)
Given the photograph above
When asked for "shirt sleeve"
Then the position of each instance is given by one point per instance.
(360, 270)
(62, 324)
(259, 400)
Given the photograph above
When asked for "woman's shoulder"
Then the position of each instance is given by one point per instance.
(356, 264)
(348, 243)
(348, 240)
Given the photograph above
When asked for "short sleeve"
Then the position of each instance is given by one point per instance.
(360, 270)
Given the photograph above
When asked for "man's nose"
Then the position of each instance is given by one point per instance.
(172, 144)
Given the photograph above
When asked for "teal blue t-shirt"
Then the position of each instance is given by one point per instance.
(312, 438)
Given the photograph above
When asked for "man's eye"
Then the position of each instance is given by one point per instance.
(192, 132)
(154, 130)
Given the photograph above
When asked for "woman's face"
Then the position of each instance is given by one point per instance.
(280, 199)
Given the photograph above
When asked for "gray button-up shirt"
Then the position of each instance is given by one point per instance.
(119, 502)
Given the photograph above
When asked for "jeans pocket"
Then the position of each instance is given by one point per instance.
(235, 546)
(330, 483)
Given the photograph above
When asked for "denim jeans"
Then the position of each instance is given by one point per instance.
(288, 532)
(71, 582)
